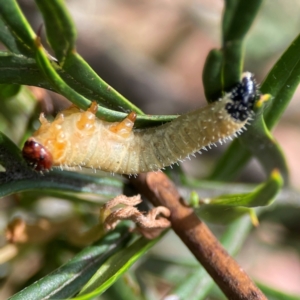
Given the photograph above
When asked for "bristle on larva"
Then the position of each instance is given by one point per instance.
(78, 139)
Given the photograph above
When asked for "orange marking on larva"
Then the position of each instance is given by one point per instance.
(93, 108)
(125, 127)
(132, 116)
(77, 138)
(87, 119)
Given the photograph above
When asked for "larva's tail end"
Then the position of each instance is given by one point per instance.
(37, 155)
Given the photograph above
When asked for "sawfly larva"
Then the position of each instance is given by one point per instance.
(78, 138)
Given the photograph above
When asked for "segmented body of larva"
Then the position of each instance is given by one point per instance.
(78, 138)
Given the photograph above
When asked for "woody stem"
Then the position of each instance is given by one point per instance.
(224, 270)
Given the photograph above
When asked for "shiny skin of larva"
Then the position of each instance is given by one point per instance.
(78, 138)
(68, 137)
(37, 155)
(165, 145)
(96, 146)
(154, 148)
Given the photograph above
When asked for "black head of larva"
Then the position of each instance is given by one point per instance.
(243, 97)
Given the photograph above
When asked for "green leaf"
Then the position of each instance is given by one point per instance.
(281, 83)
(274, 294)
(223, 70)
(264, 147)
(232, 64)
(238, 18)
(21, 70)
(57, 83)
(69, 278)
(212, 74)
(9, 40)
(114, 267)
(61, 32)
(122, 289)
(103, 113)
(226, 208)
(51, 72)
(263, 195)
(10, 155)
(15, 112)
(8, 91)
(64, 181)
(225, 214)
(227, 166)
(74, 61)
(88, 83)
(57, 20)
(18, 26)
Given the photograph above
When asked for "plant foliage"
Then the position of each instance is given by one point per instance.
(97, 267)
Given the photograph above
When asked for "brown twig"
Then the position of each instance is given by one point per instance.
(225, 271)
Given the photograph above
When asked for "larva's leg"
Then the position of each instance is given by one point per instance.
(93, 108)
(43, 120)
(47, 127)
(88, 118)
(124, 127)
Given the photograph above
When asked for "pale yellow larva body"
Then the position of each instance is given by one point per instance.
(142, 150)
(77, 138)
(155, 148)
